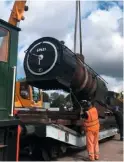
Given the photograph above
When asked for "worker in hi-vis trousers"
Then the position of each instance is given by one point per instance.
(91, 127)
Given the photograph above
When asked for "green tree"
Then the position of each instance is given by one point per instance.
(54, 96)
(45, 97)
(59, 101)
(21, 79)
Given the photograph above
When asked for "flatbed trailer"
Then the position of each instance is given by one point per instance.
(48, 141)
(66, 135)
(45, 134)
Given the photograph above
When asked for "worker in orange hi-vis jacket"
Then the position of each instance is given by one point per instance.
(91, 127)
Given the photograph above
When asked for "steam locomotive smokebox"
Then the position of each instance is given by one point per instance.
(49, 64)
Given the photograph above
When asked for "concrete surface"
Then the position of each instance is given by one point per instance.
(110, 150)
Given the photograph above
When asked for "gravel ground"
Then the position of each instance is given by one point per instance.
(110, 150)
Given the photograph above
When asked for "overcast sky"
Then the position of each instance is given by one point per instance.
(102, 27)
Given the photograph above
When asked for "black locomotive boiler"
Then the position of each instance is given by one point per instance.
(49, 64)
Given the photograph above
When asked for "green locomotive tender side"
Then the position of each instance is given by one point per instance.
(8, 59)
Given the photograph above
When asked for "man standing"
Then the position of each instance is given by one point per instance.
(119, 120)
(91, 127)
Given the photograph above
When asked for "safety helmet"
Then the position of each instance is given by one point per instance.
(86, 104)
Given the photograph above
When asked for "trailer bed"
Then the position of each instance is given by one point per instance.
(64, 134)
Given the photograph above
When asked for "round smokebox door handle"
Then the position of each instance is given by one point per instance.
(40, 57)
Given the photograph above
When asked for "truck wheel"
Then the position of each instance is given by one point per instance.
(112, 137)
(53, 152)
(45, 155)
(63, 148)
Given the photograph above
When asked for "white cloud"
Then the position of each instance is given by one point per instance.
(114, 84)
(102, 42)
(5, 10)
(50, 18)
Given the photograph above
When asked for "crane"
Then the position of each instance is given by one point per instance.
(17, 12)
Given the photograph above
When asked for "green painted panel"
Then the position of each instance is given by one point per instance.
(3, 96)
(8, 59)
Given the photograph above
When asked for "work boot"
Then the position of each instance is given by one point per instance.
(96, 157)
(121, 139)
(91, 158)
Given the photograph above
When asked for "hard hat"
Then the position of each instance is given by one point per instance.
(86, 104)
(89, 103)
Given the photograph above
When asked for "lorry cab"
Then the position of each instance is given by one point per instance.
(27, 96)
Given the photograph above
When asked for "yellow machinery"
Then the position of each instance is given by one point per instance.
(17, 12)
(25, 95)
